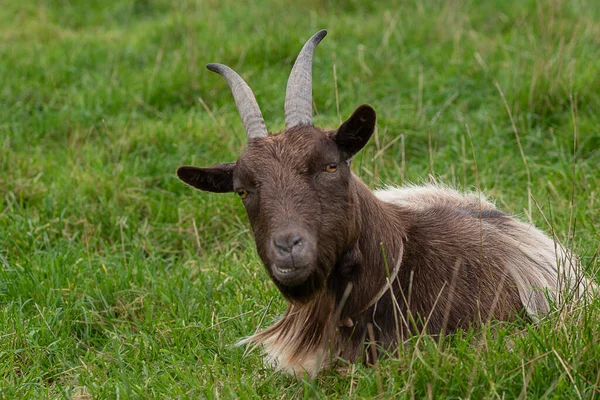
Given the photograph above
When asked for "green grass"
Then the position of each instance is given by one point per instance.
(118, 281)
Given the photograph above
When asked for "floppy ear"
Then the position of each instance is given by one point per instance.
(217, 179)
(354, 134)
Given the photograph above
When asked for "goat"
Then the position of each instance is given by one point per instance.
(393, 262)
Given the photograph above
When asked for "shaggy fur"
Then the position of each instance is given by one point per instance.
(361, 270)
(462, 262)
(402, 260)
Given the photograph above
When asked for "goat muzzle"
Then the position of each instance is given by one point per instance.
(292, 253)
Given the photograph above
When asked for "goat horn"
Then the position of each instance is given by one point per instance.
(245, 101)
(298, 94)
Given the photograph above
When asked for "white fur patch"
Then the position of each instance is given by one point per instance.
(424, 196)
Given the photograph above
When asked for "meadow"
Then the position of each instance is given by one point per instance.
(119, 281)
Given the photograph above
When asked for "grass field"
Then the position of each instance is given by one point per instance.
(118, 281)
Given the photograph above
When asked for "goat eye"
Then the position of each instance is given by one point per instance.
(331, 167)
(242, 193)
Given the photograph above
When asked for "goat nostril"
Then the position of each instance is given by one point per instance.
(287, 243)
(281, 245)
(296, 241)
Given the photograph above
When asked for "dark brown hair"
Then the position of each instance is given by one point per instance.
(397, 261)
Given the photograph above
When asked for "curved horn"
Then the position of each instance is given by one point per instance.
(244, 100)
(298, 94)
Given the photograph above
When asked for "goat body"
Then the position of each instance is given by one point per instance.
(460, 262)
(360, 268)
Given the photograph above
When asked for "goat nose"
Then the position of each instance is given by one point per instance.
(286, 244)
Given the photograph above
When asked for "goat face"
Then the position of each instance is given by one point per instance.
(296, 189)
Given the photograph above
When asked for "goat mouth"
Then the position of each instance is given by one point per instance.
(285, 270)
(291, 274)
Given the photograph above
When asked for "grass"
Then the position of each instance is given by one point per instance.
(117, 281)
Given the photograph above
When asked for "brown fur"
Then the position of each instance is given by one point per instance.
(397, 262)
(458, 261)
(444, 280)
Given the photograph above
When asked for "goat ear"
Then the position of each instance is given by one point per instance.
(217, 179)
(354, 134)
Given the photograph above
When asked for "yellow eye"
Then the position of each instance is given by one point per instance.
(331, 167)
(242, 193)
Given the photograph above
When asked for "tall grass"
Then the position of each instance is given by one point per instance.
(117, 281)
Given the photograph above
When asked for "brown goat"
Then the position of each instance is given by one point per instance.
(399, 261)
